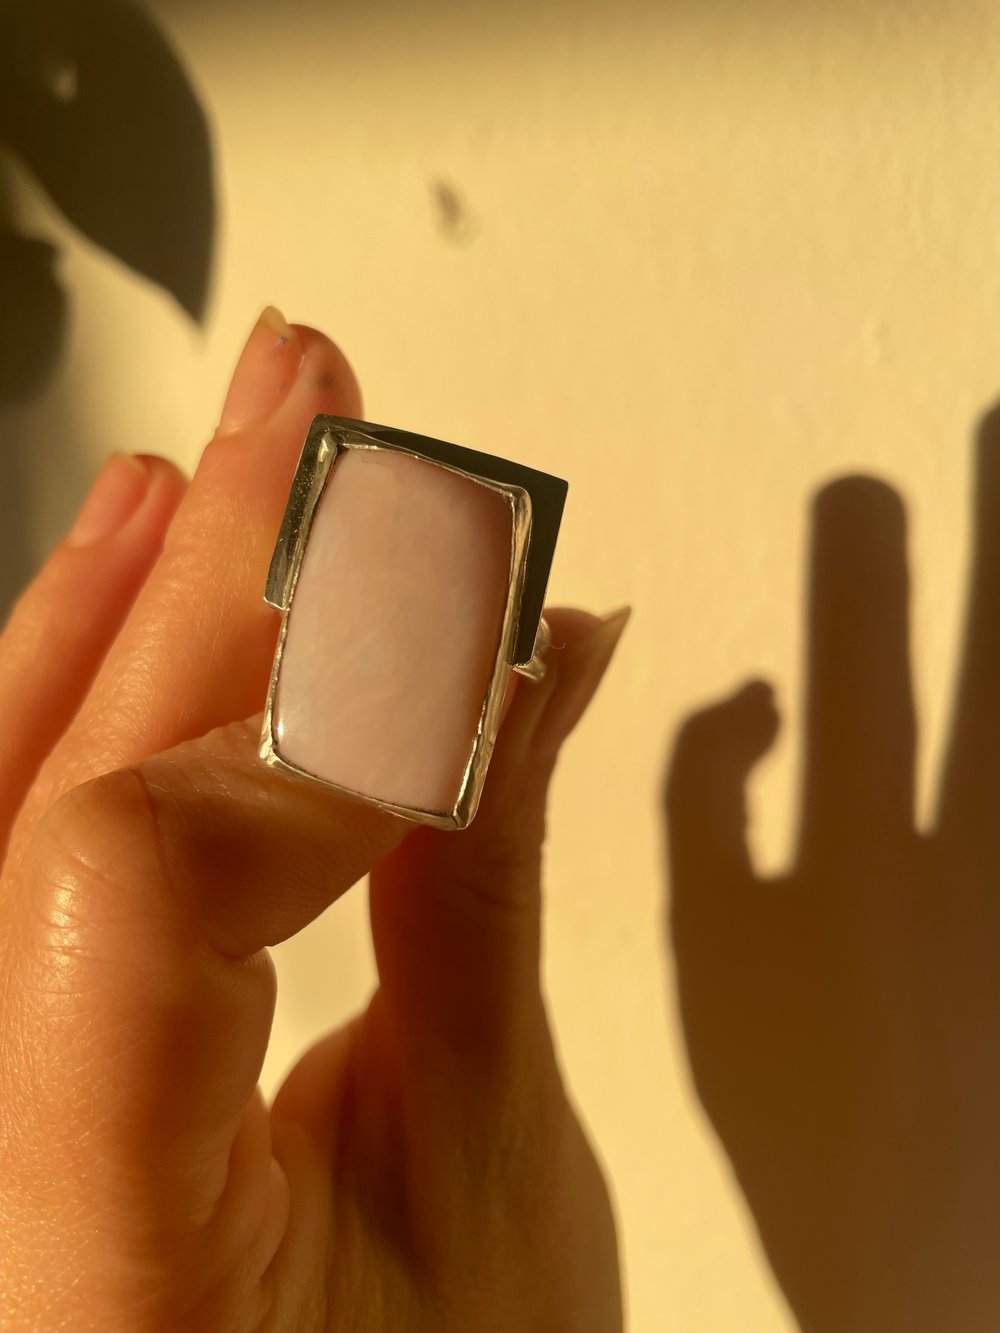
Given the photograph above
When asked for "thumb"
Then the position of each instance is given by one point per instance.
(141, 970)
(456, 917)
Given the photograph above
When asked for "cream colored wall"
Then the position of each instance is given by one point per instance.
(714, 255)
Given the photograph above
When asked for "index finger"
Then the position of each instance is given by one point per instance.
(195, 652)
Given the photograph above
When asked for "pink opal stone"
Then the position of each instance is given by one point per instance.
(394, 629)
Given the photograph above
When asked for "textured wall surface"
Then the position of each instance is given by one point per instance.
(697, 258)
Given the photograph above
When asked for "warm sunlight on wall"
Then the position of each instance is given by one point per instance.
(698, 259)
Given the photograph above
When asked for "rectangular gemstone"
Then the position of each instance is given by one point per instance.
(393, 629)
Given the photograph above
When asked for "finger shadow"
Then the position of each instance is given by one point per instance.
(827, 1015)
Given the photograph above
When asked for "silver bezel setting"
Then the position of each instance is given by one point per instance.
(323, 445)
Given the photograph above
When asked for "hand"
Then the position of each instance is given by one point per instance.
(843, 1022)
(421, 1168)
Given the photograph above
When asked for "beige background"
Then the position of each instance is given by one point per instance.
(707, 257)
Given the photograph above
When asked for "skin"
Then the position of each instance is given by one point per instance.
(421, 1168)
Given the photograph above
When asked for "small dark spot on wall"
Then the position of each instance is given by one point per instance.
(452, 216)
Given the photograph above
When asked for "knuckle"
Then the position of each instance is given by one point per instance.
(503, 875)
(90, 828)
(84, 857)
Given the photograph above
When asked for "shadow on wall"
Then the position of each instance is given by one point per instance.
(843, 1023)
(95, 104)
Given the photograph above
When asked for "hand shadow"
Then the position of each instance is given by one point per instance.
(843, 1022)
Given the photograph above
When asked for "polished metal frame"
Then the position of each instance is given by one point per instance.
(328, 437)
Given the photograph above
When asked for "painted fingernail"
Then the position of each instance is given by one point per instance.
(265, 372)
(579, 676)
(116, 495)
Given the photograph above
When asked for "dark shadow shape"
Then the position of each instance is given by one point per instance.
(35, 306)
(843, 1022)
(95, 102)
(96, 105)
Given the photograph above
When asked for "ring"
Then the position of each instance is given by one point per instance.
(411, 575)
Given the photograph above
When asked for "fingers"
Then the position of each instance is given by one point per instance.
(705, 794)
(148, 896)
(456, 918)
(196, 649)
(245, 854)
(150, 892)
(969, 790)
(860, 730)
(65, 621)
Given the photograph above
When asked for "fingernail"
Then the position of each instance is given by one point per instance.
(579, 676)
(265, 372)
(598, 647)
(115, 496)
